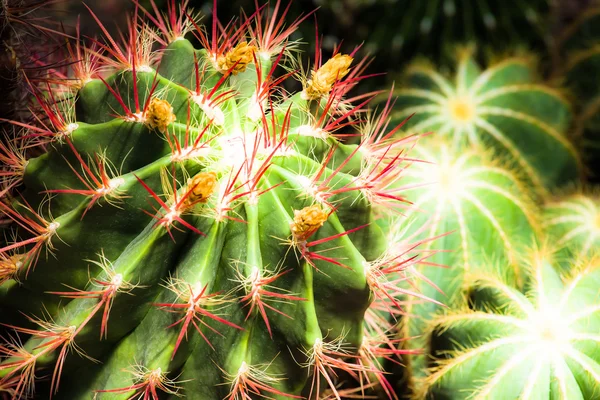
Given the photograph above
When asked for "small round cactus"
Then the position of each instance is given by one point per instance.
(478, 210)
(539, 342)
(192, 228)
(420, 24)
(500, 106)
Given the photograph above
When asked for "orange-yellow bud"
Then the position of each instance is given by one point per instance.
(159, 114)
(201, 187)
(240, 56)
(307, 221)
(325, 77)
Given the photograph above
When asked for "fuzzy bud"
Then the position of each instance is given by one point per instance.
(160, 114)
(325, 77)
(307, 221)
(201, 187)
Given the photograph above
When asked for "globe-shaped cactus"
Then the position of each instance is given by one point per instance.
(532, 344)
(479, 210)
(487, 22)
(572, 223)
(194, 228)
(501, 106)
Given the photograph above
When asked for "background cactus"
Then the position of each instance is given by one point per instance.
(28, 44)
(540, 342)
(197, 229)
(573, 225)
(502, 106)
(479, 211)
(419, 25)
(500, 144)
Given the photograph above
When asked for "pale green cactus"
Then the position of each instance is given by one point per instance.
(479, 211)
(537, 343)
(503, 106)
(572, 224)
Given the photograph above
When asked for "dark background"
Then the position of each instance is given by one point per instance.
(393, 32)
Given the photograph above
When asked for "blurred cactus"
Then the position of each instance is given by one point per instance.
(572, 223)
(502, 106)
(539, 342)
(27, 47)
(480, 211)
(578, 49)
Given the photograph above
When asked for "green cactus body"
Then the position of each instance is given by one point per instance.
(572, 224)
(538, 343)
(208, 235)
(501, 106)
(480, 211)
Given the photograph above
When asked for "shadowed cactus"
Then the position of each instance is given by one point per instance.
(29, 42)
(480, 210)
(502, 106)
(207, 234)
(572, 223)
(539, 342)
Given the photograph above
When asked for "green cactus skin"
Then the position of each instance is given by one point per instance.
(501, 106)
(481, 211)
(208, 235)
(539, 343)
(572, 224)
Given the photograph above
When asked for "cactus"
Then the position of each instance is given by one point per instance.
(501, 106)
(572, 223)
(480, 211)
(419, 24)
(196, 229)
(539, 342)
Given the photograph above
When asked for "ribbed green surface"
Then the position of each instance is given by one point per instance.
(572, 224)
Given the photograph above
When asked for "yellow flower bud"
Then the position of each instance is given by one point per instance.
(307, 221)
(242, 54)
(159, 114)
(201, 187)
(325, 77)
